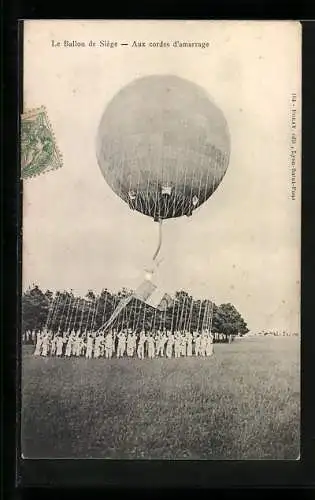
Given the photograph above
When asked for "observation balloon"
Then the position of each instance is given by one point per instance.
(163, 146)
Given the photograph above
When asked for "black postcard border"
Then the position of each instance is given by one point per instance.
(19, 474)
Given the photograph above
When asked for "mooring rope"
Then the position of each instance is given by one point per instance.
(159, 241)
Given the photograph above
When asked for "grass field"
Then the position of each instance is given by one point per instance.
(243, 403)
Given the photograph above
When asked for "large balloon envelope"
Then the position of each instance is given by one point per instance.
(163, 146)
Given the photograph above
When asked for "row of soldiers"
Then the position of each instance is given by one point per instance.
(29, 336)
(125, 343)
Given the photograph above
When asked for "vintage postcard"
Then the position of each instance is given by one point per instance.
(161, 171)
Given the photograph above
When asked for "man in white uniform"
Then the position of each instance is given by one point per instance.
(102, 344)
(140, 350)
(45, 344)
(183, 344)
(157, 339)
(39, 344)
(150, 345)
(159, 346)
(89, 346)
(177, 345)
(209, 345)
(60, 342)
(197, 343)
(109, 343)
(97, 345)
(76, 348)
(53, 344)
(169, 344)
(134, 343)
(189, 338)
(163, 340)
(121, 344)
(74, 344)
(130, 344)
(203, 342)
(69, 346)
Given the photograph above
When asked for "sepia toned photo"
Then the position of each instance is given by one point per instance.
(161, 173)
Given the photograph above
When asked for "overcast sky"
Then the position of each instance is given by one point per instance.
(243, 245)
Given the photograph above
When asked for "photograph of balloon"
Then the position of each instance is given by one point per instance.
(166, 155)
(161, 263)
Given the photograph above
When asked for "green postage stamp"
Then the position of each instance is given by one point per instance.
(39, 151)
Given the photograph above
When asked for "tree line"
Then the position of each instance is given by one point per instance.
(63, 311)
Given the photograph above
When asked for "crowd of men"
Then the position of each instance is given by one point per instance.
(124, 343)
